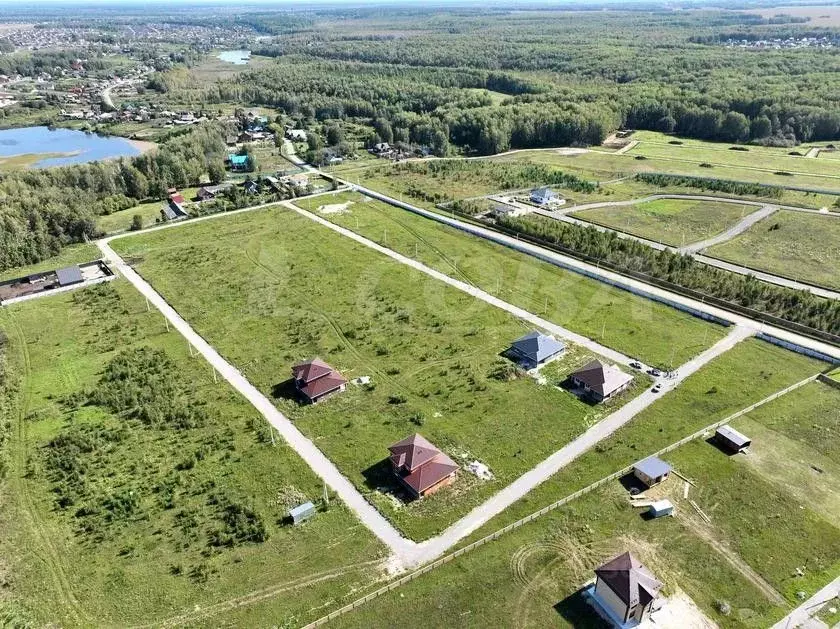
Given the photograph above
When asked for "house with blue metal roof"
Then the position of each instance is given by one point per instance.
(651, 471)
(238, 162)
(535, 349)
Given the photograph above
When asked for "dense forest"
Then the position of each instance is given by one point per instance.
(796, 306)
(492, 80)
(43, 210)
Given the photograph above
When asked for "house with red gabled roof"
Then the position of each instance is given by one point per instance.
(421, 467)
(315, 380)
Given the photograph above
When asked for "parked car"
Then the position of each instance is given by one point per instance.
(654, 372)
(656, 388)
(636, 364)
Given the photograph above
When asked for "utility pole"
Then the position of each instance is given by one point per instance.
(166, 321)
(215, 377)
(148, 305)
(326, 494)
(189, 345)
(271, 431)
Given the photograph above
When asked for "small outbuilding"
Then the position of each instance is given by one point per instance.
(731, 440)
(535, 349)
(600, 381)
(651, 471)
(302, 512)
(625, 590)
(660, 508)
(69, 275)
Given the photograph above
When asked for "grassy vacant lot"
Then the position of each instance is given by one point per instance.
(121, 221)
(271, 288)
(614, 317)
(111, 516)
(793, 244)
(671, 221)
(768, 159)
(796, 445)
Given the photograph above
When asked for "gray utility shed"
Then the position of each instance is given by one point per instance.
(536, 348)
(302, 512)
(651, 471)
(730, 439)
(69, 275)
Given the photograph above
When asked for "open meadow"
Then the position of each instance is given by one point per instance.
(673, 222)
(138, 489)
(801, 246)
(609, 315)
(272, 288)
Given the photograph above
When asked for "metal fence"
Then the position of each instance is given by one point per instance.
(555, 505)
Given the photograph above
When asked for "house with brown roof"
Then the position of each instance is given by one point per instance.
(625, 590)
(421, 467)
(315, 380)
(600, 381)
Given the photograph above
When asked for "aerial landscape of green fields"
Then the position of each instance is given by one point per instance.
(376, 315)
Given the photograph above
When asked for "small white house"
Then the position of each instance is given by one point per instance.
(545, 196)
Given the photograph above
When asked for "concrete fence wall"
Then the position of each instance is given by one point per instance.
(555, 505)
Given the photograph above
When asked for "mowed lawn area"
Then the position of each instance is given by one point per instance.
(673, 222)
(655, 333)
(120, 510)
(793, 244)
(615, 169)
(763, 526)
(772, 159)
(271, 288)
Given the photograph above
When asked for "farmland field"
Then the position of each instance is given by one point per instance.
(119, 515)
(670, 221)
(793, 244)
(613, 317)
(271, 288)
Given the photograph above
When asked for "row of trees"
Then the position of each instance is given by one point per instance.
(43, 210)
(796, 306)
(647, 74)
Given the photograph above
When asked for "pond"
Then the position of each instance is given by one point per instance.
(237, 57)
(41, 147)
